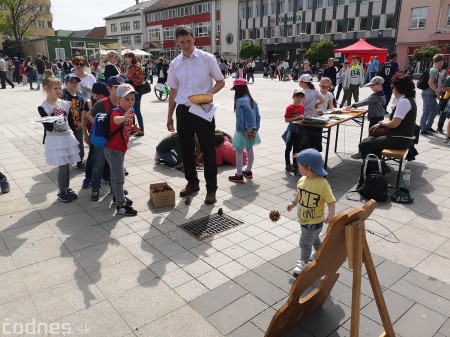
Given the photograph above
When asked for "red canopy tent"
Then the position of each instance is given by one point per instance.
(363, 50)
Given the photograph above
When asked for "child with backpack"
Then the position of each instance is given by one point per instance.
(70, 94)
(313, 192)
(100, 91)
(293, 112)
(61, 146)
(102, 107)
(120, 126)
(247, 127)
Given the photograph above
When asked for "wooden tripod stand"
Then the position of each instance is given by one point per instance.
(345, 238)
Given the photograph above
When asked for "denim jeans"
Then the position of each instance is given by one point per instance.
(137, 111)
(39, 80)
(115, 160)
(100, 167)
(309, 237)
(169, 157)
(430, 109)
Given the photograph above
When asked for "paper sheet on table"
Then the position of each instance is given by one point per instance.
(205, 111)
(338, 116)
(49, 119)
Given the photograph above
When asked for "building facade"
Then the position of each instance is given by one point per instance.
(212, 33)
(128, 26)
(422, 23)
(286, 28)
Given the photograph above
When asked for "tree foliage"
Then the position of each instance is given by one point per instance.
(425, 53)
(250, 49)
(320, 51)
(18, 17)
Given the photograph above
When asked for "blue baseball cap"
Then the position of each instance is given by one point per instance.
(100, 88)
(116, 80)
(70, 77)
(313, 159)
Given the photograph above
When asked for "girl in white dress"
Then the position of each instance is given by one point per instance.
(61, 146)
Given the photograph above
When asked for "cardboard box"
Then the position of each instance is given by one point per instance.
(162, 199)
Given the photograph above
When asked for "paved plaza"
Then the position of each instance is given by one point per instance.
(87, 271)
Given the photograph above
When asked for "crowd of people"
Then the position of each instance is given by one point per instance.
(80, 96)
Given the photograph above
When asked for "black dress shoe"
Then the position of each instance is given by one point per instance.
(431, 129)
(425, 132)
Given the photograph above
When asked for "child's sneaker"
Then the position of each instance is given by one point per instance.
(247, 174)
(95, 195)
(236, 178)
(447, 140)
(289, 168)
(125, 209)
(64, 196)
(81, 166)
(72, 193)
(299, 267)
(4, 185)
(129, 201)
(157, 159)
(86, 183)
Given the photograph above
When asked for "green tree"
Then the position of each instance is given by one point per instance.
(425, 53)
(250, 49)
(320, 51)
(18, 17)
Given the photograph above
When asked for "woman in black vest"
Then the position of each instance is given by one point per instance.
(401, 122)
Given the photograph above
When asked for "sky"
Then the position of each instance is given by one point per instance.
(85, 14)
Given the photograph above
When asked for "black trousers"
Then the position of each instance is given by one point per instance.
(189, 125)
(4, 79)
(372, 145)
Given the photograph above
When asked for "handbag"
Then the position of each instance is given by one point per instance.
(143, 89)
(378, 130)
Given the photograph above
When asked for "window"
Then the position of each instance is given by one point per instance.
(375, 22)
(353, 1)
(249, 13)
(202, 29)
(137, 25)
(169, 33)
(137, 39)
(242, 13)
(299, 5)
(290, 6)
(341, 2)
(154, 34)
(308, 28)
(264, 10)
(448, 16)
(363, 23)
(310, 4)
(418, 17)
(351, 25)
(389, 23)
(126, 40)
(124, 26)
(289, 30)
(319, 3)
(328, 26)
(339, 26)
(273, 32)
(32, 23)
(266, 32)
(41, 24)
(273, 7)
(281, 7)
(113, 27)
(251, 34)
(49, 24)
(281, 31)
(318, 27)
(331, 3)
(243, 37)
(258, 33)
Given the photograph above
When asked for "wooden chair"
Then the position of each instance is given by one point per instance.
(397, 156)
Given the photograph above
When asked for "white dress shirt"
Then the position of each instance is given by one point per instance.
(193, 75)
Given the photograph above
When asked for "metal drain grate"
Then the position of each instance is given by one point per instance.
(210, 225)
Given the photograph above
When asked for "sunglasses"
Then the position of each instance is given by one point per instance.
(324, 86)
(79, 64)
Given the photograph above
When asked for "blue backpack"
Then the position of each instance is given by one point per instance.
(101, 129)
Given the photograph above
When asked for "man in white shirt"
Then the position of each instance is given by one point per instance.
(3, 69)
(194, 72)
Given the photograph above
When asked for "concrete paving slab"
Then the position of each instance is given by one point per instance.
(419, 321)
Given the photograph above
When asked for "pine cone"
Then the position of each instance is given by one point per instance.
(220, 211)
(274, 216)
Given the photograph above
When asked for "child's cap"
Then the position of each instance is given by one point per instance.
(305, 78)
(375, 80)
(71, 77)
(100, 88)
(238, 82)
(313, 159)
(298, 91)
(125, 89)
(116, 80)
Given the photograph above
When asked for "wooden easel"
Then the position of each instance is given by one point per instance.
(345, 238)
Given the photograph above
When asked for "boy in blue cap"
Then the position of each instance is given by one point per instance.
(313, 192)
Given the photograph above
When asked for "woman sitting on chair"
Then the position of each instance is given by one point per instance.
(402, 120)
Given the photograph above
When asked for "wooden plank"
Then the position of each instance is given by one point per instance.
(357, 274)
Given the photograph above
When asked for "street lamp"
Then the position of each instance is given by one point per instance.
(302, 36)
(275, 54)
(161, 53)
(217, 45)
